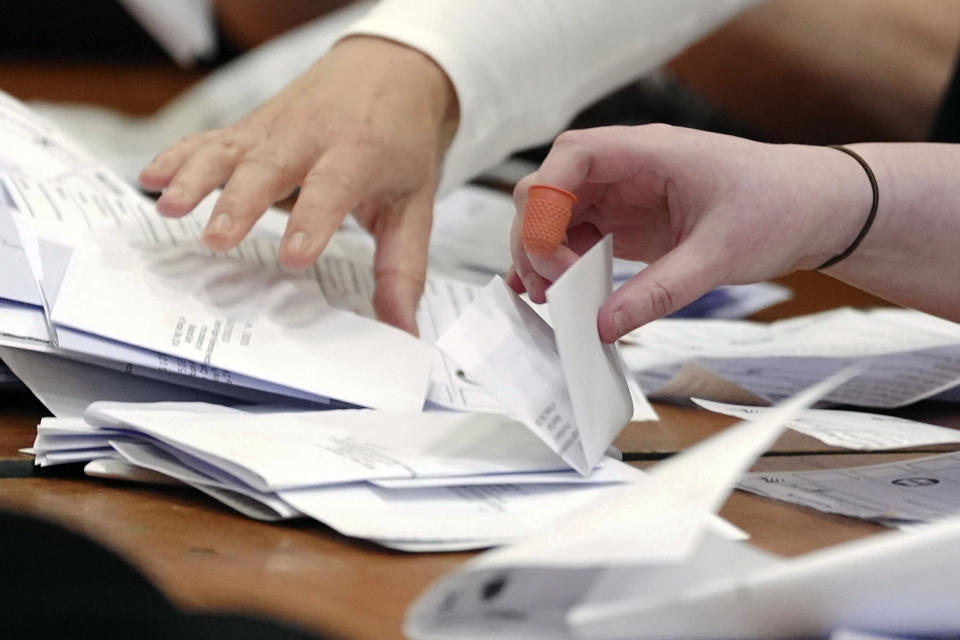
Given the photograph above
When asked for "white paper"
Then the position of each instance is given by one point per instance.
(66, 387)
(918, 490)
(911, 358)
(499, 513)
(851, 429)
(507, 348)
(343, 274)
(118, 469)
(240, 317)
(153, 458)
(596, 377)
(607, 471)
(271, 451)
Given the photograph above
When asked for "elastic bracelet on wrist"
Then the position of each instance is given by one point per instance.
(870, 217)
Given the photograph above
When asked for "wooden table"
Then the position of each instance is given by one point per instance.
(205, 557)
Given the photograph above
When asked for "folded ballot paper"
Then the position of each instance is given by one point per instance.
(563, 383)
(641, 564)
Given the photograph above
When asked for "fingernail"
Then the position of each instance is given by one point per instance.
(299, 242)
(219, 226)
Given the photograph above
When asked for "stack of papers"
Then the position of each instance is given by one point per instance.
(95, 275)
(410, 480)
(418, 481)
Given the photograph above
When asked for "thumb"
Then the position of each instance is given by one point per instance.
(668, 284)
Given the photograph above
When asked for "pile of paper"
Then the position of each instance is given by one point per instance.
(411, 480)
(418, 481)
(93, 274)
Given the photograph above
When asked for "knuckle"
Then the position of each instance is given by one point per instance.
(522, 186)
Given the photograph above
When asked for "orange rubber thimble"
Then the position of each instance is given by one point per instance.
(545, 218)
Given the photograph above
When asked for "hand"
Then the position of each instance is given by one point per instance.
(703, 209)
(363, 130)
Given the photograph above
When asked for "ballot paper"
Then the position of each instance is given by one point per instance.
(912, 358)
(66, 387)
(80, 213)
(413, 481)
(563, 383)
(243, 318)
(850, 429)
(74, 210)
(895, 493)
(270, 452)
(641, 541)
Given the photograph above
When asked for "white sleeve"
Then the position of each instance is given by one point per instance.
(523, 68)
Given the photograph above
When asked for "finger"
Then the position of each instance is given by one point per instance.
(670, 283)
(514, 281)
(204, 170)
(552, 267)
(157, 175)
(400, 263)
(534, 284)
(337, 183)
(548, 270)
(266, 173)
(579, 239)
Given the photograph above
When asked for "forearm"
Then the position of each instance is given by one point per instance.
(911, 255)
(523, 70)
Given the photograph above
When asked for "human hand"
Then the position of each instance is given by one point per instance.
(363, 130)
(703, 209)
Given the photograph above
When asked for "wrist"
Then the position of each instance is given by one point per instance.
(842, 196)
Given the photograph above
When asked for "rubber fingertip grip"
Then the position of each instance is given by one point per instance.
(545, 219)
